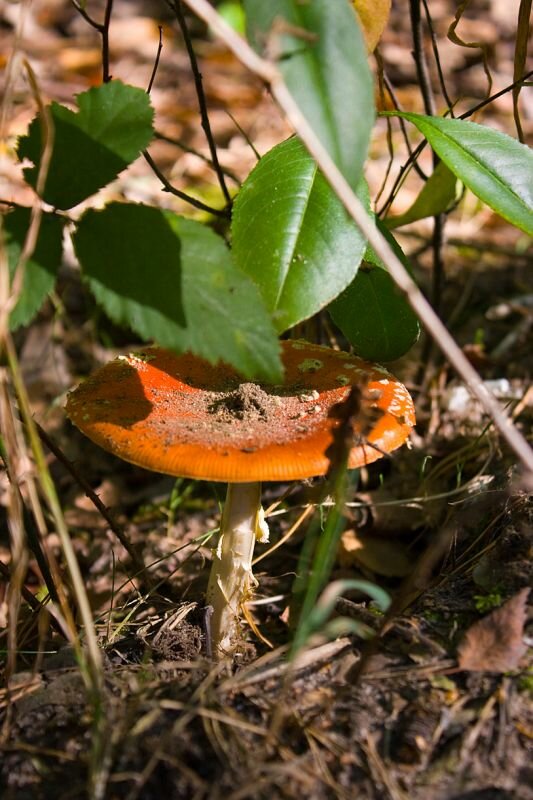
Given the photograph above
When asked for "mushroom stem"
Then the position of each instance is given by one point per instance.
(231, 581)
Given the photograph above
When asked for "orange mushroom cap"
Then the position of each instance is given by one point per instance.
(181, 416)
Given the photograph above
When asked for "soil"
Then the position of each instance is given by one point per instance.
(384, 709)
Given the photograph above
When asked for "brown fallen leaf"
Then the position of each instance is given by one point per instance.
(383, 556)
(494, 644)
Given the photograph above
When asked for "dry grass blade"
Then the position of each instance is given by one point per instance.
(454, 37)
(19, 464)
(380, 772)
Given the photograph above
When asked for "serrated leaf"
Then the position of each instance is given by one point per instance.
(173, 280)
(292, 235)
(495, 167)
(92, 146)
(436, 196)
(373, 16)
(373, 313)
(40, 271)
(322, 56)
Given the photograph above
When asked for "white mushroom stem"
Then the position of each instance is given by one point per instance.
(231, 582)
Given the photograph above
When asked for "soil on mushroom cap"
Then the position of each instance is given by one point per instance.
(245, 415)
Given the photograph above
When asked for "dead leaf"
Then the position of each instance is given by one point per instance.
(494, 644)
(382, 556)
(373, 16)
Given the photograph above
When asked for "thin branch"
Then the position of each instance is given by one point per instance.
(106, 76)
(436, 56)
(419, 56)
(244, 135)
(269, 73)
(188, 149)
(403, 126)
(92, 22)
(402, 174)
(156, 62)
(429, 107)
(167, 187)
(103, 30)
(202, 104)
(521, 81)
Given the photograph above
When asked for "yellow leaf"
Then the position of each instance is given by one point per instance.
(373, 16)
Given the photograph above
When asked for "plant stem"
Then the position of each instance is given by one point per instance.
(231, 581)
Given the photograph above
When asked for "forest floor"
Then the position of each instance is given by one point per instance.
(435, 703)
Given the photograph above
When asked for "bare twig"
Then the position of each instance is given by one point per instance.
(436, 56)
(202, 104)
(392, 94)
(103, 30)
(244, 134)
(188, 149)
(422, 72)
(402, 174)
(519, 82)
(156, 62)
(167, 187)
(520, 55)
(419, 56)
(269, 73)
(81, 10)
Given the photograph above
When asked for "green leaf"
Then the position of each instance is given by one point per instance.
(172, 280)
(373, 313)
(233, 13)
(436, 196)
(495, 167)
(41, 269)
(292, 235)
(321, 54)
(92, 146)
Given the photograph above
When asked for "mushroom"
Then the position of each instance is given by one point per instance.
(179, 415)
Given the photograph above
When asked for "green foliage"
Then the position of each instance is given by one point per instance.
(373, 314)
(91, 146)
(487, 602)
(322, 56)
(495, 167)
(173, 280)
(233, 13)
(436, 196)
(295, 249)
(292, 235)
(41, 269)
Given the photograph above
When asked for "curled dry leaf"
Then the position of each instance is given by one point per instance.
(382, 556)
(373, 16)
(495, 643)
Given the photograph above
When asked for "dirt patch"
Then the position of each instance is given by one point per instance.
(245, 416)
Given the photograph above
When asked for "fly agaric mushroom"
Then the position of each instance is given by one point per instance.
(181, 416)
